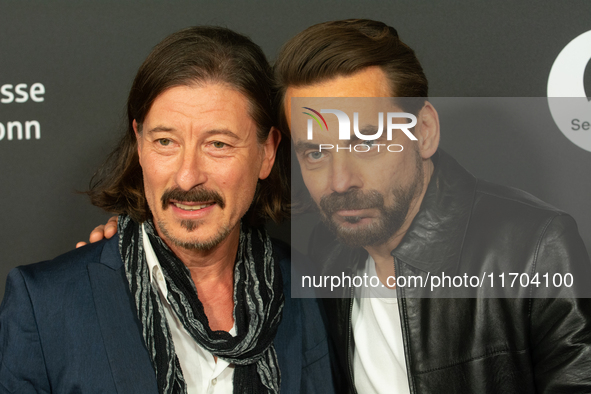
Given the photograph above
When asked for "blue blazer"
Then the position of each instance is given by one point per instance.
(69, 325)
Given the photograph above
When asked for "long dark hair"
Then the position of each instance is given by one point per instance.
(195, 54)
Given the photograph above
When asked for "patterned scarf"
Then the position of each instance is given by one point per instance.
(258, 303)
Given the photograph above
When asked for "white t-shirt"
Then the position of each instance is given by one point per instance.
(201, 371)
(379, 365)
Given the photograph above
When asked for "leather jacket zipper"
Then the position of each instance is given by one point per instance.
(349, 346)
(404, 335)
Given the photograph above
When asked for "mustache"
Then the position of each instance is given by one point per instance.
(199, 194)
(351, 200)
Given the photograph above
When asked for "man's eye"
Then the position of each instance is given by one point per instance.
(218, 144)
(164, 141)
(314, 156)
(369, 143)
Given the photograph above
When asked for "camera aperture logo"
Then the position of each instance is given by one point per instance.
(344, 132)
(316, 119)
(567, 79)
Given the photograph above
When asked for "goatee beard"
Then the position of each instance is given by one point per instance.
(198, 194)
(201, 245)
(381, 228)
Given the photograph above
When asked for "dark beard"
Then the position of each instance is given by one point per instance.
(389, 221)
(197, 245)
(194, 195)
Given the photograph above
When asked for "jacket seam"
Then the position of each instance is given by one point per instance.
(529, 204)
(535, 263)
(486, 355)
(36, 325)
(537, 249)
(98, 318)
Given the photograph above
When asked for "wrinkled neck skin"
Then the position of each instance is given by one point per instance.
(382, 253)
(212, 272)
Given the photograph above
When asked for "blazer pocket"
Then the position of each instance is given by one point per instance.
(316, 353)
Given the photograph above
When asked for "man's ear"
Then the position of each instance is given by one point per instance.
(427, 131)
(138, 140)
(270, 151)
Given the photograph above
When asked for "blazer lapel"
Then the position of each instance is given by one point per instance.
(128, 357)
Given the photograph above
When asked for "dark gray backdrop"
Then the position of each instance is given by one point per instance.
(86, 54)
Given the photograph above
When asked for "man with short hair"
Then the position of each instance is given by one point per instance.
(191, 296)
(417, 211)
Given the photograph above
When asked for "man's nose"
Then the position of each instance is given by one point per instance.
(192, 169)
(344, 174)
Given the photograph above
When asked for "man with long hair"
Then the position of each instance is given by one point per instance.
(192, 295)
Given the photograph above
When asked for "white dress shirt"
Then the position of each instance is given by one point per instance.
(379, 364)
(201, 371)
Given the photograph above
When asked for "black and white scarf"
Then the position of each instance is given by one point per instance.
(258, 303)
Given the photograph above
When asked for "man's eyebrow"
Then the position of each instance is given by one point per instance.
(223, 132)
(302, 146)
(366, 130)
(208, 133)
(160, 129)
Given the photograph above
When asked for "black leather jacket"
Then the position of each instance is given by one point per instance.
(478, 345)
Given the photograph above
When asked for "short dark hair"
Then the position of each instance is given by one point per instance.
(201, 54)
(341, 48)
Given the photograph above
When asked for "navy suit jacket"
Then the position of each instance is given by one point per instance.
(69, 326)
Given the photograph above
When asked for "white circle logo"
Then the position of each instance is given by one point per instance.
(567, 99)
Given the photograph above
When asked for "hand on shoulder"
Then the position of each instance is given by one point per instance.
(106, 230)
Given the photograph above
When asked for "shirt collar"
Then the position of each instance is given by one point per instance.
(156, 275)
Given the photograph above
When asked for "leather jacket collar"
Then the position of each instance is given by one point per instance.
(442, 218)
